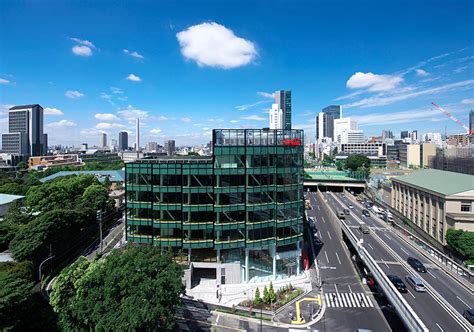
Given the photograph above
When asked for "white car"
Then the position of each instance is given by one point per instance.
(350, 206)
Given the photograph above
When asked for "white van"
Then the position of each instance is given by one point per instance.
(416, 283)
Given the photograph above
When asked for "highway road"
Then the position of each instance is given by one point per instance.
(348, 306)
(391, 253)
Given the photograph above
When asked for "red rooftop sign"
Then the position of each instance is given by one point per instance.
(292, 142)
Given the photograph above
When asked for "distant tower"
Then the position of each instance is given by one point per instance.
(104, 140)
(137, 147)
(123, 141)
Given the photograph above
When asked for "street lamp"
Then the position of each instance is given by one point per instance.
(99, 219)
(41, 265)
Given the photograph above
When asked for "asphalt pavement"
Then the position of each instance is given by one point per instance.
(391, 253)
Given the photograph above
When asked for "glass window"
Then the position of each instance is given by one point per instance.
(466, 206)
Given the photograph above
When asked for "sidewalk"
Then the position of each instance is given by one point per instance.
(234, 294)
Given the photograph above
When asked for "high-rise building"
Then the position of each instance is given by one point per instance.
(151, 147)
(471, 121)
(414, 135)
(25, 131)
(137, 144)
(404, 134)
(352, 137)
(387, 134)
(342, 125)
(170, 147)
(104, 140)
(280, 113)
(276, 117)
(240, 210)
(325, 121)
(123, 141)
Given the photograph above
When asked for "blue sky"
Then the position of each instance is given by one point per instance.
(189, 66)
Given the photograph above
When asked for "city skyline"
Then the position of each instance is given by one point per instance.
(91, 81)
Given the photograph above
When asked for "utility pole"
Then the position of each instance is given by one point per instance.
(99, 219)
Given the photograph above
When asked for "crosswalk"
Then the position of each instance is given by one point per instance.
(347, 300)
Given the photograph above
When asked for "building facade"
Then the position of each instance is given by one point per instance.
(123, 141)
(104, 140)
(25, 131)
(241, 206)
(54, 160)
(416, 155)
(276, 117)
(170, 147)
(343, 125)
(283, 102)
(435, 201)
(374, 149)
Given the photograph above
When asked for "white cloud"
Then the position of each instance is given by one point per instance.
(253, 118)
(397, 117)
(234, 121)
(106, 125)
(266, 94)
(245, 107)
(421, 72)
(5, 107)
(83, 42)
(106, 117)
(4, 81)
(185, 119)
(374, 82)
(468, 101)
(133, 54)
(131, 113)
(215, 120)
(74, 94)
(214, 45)
(61, 123)
(88, 132)
(133, 78)
(116, 91)
(52, 111)
(162, 118)
(155, 132)
(460, 69)
(381, 101)
(82, 50)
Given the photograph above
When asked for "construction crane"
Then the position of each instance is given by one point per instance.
(452, 117)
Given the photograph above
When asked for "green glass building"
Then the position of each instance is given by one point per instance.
(241, 208)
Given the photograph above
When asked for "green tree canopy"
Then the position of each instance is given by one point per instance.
(353, 162)
(133, 289)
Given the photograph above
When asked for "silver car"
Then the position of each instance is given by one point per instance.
(416, 283)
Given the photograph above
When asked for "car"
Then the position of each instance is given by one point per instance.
(416, 283)
(469, 315)
(398, 283)
(341, 215)
(347, 212)
(350, 206)
(364, 229)
(416, 264)
(366, 212)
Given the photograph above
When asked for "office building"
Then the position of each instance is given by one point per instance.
(387, 134)
(435, 201)
(334, 110)
(458, 140)
(352, 137)
(25, 131)
(404, 134)
(283, 102)
(123, 141)
(325, 122)
(151, 147)
(377, 149)
(416, 155)
(433, 137)
(341, 125)
(414, 135)
(239, 210)
(170, 147)
(454, 159)
(104, 140)
(276, 117)
(471, 122)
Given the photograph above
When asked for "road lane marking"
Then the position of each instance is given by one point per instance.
(370, 246)
(467, 305)
(348, 221)
(338, 258)
(335, 287)
(404, 251)
(411, 294)
(324, 221)
(319, 208)
(350, 289)
(329, 234)
(327, 258)
(388, 237)
(439, 327)
(431, 274)
(320, 236)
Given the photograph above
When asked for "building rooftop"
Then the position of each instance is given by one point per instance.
(114, 176)
(6, 199)
(175, 159)
(21, 107)
(442, 182)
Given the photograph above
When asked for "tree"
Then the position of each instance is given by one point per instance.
(353, 162)
(271, 293)
(22, 165)
(461, 241)
(256, 299)
(266, 297)
(133, 289)
(339, 165)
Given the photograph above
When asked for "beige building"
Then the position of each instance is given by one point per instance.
(435, 201)
(416, 155)
(55, 160)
